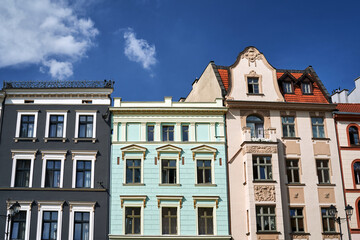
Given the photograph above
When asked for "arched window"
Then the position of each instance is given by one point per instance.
(256, 125)
(356, 170)
(354, 135)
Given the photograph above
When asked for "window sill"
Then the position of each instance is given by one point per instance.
(291, 138)
(205, 185)
(93, 140)
(330, 233)
(299, 233)
(169, 184)
(255, 94)
(17, 139)
(326, 184)
(325, 139)
(133, 184)
(55, 139)
(268, 232)
(295, 184)
(264, 181)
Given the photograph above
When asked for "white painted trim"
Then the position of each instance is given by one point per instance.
(49, 206)
(134, 204)
(206, 205)
(134, 157)
(80, 112)
(177, 167)
(81, 207)
(175, 204)
(83, 157)
(47, 125)
(24, 206)
(212, 168)
(18, 121)
(22, 156)
(53, 156)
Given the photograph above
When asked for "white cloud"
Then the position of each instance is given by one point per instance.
(44, 32)
(139, 50)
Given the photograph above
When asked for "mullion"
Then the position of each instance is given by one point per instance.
(51, 171)
(25, 123)
(50, 221)
(56, 123)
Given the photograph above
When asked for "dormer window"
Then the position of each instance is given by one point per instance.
(306, 88)
(287, 86)
(253, 85)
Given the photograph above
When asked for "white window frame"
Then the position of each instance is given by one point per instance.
(49, 155)
(134, 204)
(18, 121)
(82, 207)
(24, 206)
(168, 204)
(135, 157)
(47, 126)
(80, 113)
(22, 155)
(212, 170)
(213, 205)
(49, 206)
(84, 156)
(177, 170)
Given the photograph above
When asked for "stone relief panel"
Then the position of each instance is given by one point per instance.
(264, 193)
(300, 237)
(251, 55)
(261, 149)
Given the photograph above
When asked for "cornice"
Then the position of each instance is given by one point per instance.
(141, 110)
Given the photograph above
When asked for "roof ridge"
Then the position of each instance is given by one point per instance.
(290, 70)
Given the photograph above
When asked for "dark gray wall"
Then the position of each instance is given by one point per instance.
(67, 194)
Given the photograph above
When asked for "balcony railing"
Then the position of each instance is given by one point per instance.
(58, 84)
(269, 135)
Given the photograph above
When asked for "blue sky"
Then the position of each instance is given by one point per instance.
(157, 48)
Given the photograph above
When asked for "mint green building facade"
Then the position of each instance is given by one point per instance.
(168, 171)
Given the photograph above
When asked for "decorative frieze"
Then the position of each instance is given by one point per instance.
(264, 193)
(261, 149)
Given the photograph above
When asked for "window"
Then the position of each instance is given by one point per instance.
(253, 85)
(132, 220)
(133, 171)
(56, 126)
(288, 126)
(357, 172)
(328, 221)
(185, 133)
(83, 174)
(23, 173)
(287, 86)
(26, 124)
(49, 225)
(49, 220)
(53, 169)
(85, 125)
(318, 127)
(81, 225)
(265, 218)
(354, 135)
(323, 171)
(306, 88)
(256, 125)
(205, 221)
(169, 220)
(168, 171)
(150, 133)
(262, 168)
(297, 220)
(18, 226)
(203, 171)
(292, 168)
(167, 133)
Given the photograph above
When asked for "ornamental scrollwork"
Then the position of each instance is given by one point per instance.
(261, 149)
(264, 193)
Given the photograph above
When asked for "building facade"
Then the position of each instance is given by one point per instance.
(284, 170)
(168, 171)
(55, 150)
(344, 96)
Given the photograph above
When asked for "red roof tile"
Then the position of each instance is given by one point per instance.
(224, 75)
(349, 107)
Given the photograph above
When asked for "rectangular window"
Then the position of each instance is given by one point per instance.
(287, 86)
(150, 133)
(292, 169)
(22, 173)
(265, 218)
(297, 220)
(288, 126)
(323, 171)
(167, 133)
(81, 226)
(49, 225)
(328, 221)
(169, 220)
(132, 220)
(53, 168)
(133, 171)
(86, 126)
(56, 126)
(185, 133)
(253, 85)
(205, 221)
(83, 174)
(203, 171)
(317, 124)
(168, 171)
(306, 88)
(18, 226)
(27, 126)
(262, 168)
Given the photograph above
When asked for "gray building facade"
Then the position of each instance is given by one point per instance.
(55, 151)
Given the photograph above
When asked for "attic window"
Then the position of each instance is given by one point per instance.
(253, 85)
(28, 101)
(87, 101)
(306, 88)
(287, 86)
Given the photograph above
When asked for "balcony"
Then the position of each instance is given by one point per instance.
(268, 135)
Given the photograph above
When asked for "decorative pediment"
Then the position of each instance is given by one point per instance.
(133, 148)
(305, 77)
(171, 198)
(204, 149)
(287, 76)
(169, 148)
(196, 199)
(141, 198)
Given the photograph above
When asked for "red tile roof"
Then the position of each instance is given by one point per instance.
(349, 107)
(224, 75)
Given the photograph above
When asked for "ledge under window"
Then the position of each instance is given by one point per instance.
(326, 184)
(300, 233)
(133, 184)
(17, 139)
(55, 139)
(291, 138)
(268, 232)
(93, 140)
(325, 139)
(255, 94)
(205, 185)
(169, 185)
(295, 184)
(264, 181)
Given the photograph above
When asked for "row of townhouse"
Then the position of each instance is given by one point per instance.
(251, 153)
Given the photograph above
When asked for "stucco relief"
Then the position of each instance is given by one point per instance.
(251, 55)
(264, 193)
(261, 149)
(299, 236)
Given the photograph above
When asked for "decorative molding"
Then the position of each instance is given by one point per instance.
(264, 193)
(176, 198)
(331, 236)
(133, 197)
(133, 148)
(203, 149)
(168, 148)
(57, 84)
(206, 198)
(261, 149)
(251, 55)
(300, 236)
